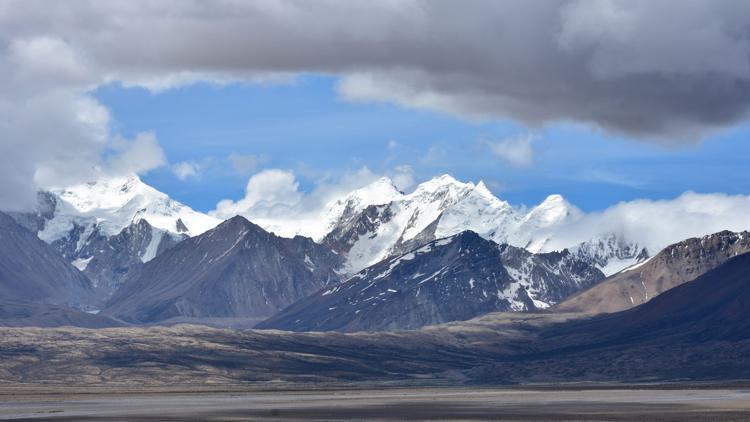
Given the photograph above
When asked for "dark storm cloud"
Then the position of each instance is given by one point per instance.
(669, 71)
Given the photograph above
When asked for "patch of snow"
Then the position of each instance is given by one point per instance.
(638, 265)
(82, 263)
(309, 262)
(153, 246)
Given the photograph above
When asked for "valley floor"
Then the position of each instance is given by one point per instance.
(674, 403)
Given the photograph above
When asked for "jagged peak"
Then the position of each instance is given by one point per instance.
(554, 209)
(442, 182)
(114, 202)
(236, 221)
(482, 187)
(380, 191)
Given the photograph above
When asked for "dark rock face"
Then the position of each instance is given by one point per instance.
(451, 279)
(109, 261)
(236, 270)
(33, 271)
(106, 260)
(674, 265)
(355, 224)
(549, 277)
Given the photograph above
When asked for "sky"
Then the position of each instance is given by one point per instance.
(602, 101)
(307, 128)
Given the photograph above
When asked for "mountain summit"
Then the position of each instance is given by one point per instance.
(109, 228)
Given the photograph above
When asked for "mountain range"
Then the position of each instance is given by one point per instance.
(695, 332)
(449, 279)
(109, 228)
(379, 259)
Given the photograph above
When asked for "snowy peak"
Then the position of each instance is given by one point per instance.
(381, 191)
(611, 252)
(115, 203)
(443, 187)
(553, 210)
(344, 210)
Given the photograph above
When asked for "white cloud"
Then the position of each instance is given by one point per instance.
(402, 177)
(139, 155)
(656, 224)
(268, 193)
(273, 200)
(392, 144)
(517, 150)
(186, 169)
(533, 62)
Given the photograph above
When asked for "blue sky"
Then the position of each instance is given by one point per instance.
(306, 127)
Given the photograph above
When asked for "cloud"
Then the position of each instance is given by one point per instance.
(656, 224)
(246, 164)
(186, 169)
(517, 150)
(139, 155)
(270, 192)
(627, 67)
(274, 200)
(402, 177)
(392, 144)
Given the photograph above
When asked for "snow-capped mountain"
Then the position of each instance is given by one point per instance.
(316, 224)
(109, 228)
(444, 206)
(449, 279)
(611, 252)
(113, 204)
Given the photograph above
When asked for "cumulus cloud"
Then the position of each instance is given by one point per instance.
(671, 71)
(139, 155)
(270, 192)
(274, 200)
(516, 150)
(656, 224)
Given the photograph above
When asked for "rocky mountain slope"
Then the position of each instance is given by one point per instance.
(236, 270)
(674, 265)
(450, 279)
(32, 271)
(698, 331)
(109, 228)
